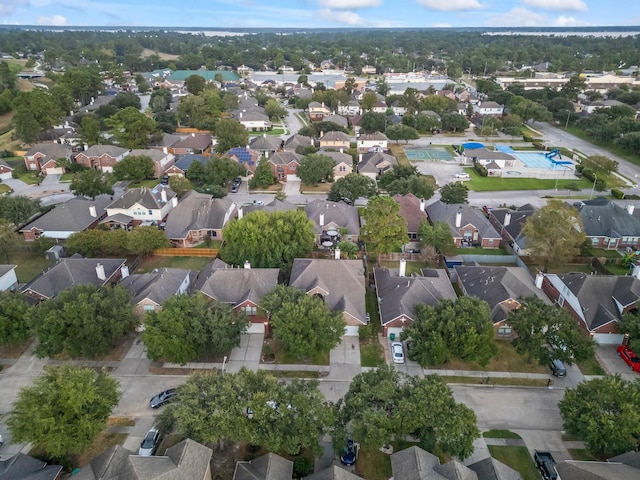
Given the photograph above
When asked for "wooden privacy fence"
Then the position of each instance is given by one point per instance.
(186, 252)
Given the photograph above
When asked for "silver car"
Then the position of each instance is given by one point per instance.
(397, 352)
(150, 443)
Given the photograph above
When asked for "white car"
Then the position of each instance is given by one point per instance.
(462, 175)
(150, 443)
(397, 352)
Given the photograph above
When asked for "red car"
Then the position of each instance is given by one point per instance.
(629, 357)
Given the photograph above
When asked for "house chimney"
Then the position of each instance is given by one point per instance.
(341, 150)
(193, 134)
(539, 279)
(458, 219)
(507, 219)
(266, 154)
(403, 268)
(174, 202)
(630, 209)
(163, 195)
(92, 211)
(240, 213)
(165, 150)
(321, 221)
(247, 265)
(124, 271)
(359, 158)
(100, 271)
(337, 254)
(240, 115)
(422, 204)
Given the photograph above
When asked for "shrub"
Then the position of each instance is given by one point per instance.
(481, 169)
(619, 194)
(538, 145)
(302, 466)
(527, 138)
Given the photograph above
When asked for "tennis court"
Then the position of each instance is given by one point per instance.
(433, 154)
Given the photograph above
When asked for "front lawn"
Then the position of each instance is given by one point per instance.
(271, 347)
(590, 367)
(4, 188)
(517, 458)
(372, 464)
(492, 184)
(196, 264)
(500, 434)
(30, 178)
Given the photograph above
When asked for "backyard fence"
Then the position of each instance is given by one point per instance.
(186, 252)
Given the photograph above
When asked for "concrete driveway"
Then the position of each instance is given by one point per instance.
(613, 364)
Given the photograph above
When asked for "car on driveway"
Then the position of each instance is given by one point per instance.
(349, 454)
(149, 443)
(163, 398)
(462, 175)
(629, 357)
(397, 352)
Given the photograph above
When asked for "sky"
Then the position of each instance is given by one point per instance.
(321, 13)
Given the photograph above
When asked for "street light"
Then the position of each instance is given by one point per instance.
(595, 179)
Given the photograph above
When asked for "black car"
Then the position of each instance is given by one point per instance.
(237, 181)
(349, 454)
(235, 188)
(163, 398)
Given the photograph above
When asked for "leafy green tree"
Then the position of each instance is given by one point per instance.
(604, 413)
(221, 170)
(263, 177)
(401, 132)
(131, 128)
(82, 321)
(144, 240)
(35, 111)
(439, 235)
(554, 232)
(274, 109)
(453, 193)
(574, 86)
(195, 84)
(385, 227)
(17, 209)
(373, 122)
(454, 122)
(191, 326)
(302, 323)
(348, 250)
(89, 130)
(546, 332)
(529, 110)
(422, 186)
(134, 168)
(369, 100)
(352, 187)
(126, 99)
(64, 409)
(452, 329)
(88, 243)
(230, 133)
(316, 168)
(600, 163)
(630, 325)
(383, 404)
(91, 183)
(14, 330)
(9, 239)
(180, 185)
(268, 240)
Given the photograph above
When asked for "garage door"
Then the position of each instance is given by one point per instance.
(396, 331)
(351, 331)
(609, 338)
(55, 171)
(5, 176)
(256, 328)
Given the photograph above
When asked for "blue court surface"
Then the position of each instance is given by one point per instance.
(427, 154)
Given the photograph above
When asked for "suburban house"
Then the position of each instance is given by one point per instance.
(468, 224)
(265, 144)
(150, 290)
(43, 158)
(24, 467)
(284, 164)
(375, 164)
(297, 140)
(329, 217)
(337, 119)
(101, 157)
(187, 460)
(274, 205)
(608, 225)
(339, 283)
(501, 287)
(72, 216)
(69, 272)
(380, 107)
(597, 302)
(624, 466)
(509, 224)
(372, 142)
(183, 162)
(161, 159)
(489, 108)
(196, 217)
(333, 472)
(196, 143)
(266, 467)
(247, 157)
(242, 288)
(317, 111)
(144, 206)
(6, 170)
(254, 120)
(349, 109)
(335, 141)
(343, 163)
(398, 294)
(8, 278)
(414, 463)
(412, 210)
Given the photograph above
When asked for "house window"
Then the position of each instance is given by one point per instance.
(150, 212)
(595, 242)
(148, 308)
(250, 310)
(343, 168)
(504, 331)
(490, 241)
(561, 300)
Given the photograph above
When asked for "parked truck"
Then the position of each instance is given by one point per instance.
(546, 465)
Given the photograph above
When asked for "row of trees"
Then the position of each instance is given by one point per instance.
(102, 242)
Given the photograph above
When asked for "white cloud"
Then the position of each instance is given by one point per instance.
(57, 20)
(349, 4)
(8, 6)
(557, 5)
(563, 21)
(518, 17)
(450, 5)
(344, 17)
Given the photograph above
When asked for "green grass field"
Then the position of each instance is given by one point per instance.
(189, 263)
(517, 458)
(493, 184)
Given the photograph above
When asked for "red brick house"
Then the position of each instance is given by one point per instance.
(284, 164)
(196, 143)
(6, 170)
(468, 224)
(101, 157)
(43, 157)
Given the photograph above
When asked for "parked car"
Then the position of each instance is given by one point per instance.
(258, 202)
(235, 188)
(165, 180)
(462, 175)
(397, 352)
(163, 398)
(629, 357)
(237, 181)
(557, 368)
(149, 443)
(1, 441)
(349, 454)
(546, 465)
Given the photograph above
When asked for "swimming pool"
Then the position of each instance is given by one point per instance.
(536, 159)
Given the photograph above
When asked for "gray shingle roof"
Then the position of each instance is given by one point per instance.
(147, 197)
(602, 217)
(398, 296)
(414, 463)
(267, 467)
(486, 154)
(157, 285)
(285, 158)
(335, 136)
(273, 206)
(516, 221)
(337, 119)
(294, 141)
(50, 150)
(68, 272)
(470, 216)
(4, 269)
(185, 161)
(99, 150)
(152, 153)
(377, 162)
(335, 213)
(333, 472)
(24, 467)
(338, 157)
(198, 211)
(343, 280)
(71, 216)
(576, 470)
(265, 143)
(377, 136)
(236, 285)
(492, 469)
